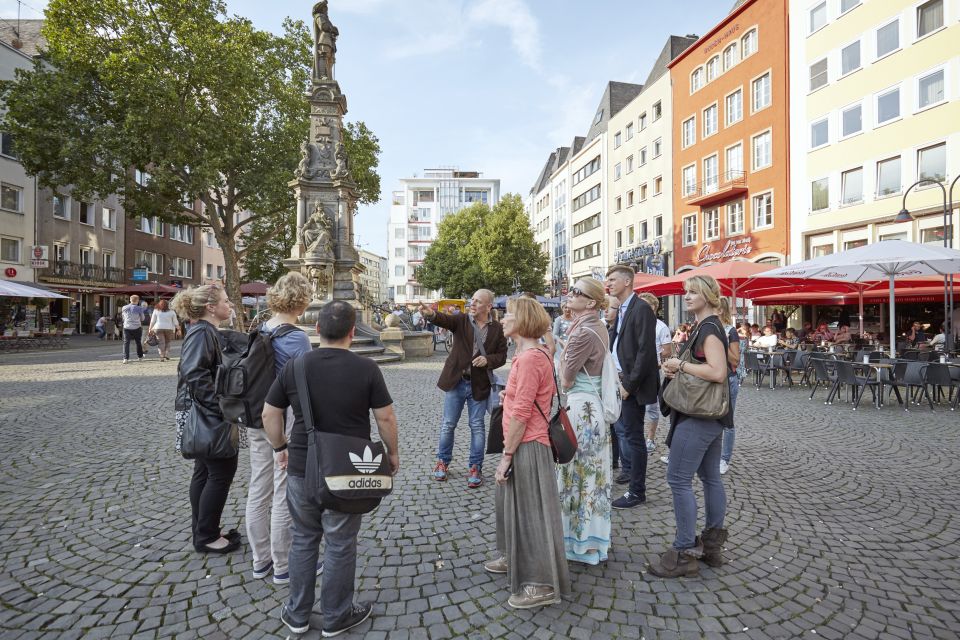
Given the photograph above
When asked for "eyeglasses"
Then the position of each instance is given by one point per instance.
(575, 292)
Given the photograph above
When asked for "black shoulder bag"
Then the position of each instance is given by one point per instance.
(344, 473)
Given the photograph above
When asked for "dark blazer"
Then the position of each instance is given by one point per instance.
(637, 352)
(461, 354)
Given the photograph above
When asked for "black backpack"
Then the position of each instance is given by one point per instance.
(246, 373)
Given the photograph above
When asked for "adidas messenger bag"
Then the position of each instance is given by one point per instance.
(344, 473)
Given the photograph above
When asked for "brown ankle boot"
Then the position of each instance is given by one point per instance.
(713, 540)
(674, 564)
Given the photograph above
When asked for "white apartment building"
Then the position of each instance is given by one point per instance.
(416, 210)
(640, 193)
(875, 102)
(549, 211)
(374, 280)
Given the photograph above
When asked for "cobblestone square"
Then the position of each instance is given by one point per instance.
(842, 524)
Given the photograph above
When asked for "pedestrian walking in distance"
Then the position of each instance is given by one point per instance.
(133, 315)
(164, 325)
(479, 347)
(343, 388)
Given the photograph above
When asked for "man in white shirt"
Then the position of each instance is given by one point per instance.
(133, 315)
(664, 351)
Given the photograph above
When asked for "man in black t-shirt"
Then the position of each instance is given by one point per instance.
(344, 388)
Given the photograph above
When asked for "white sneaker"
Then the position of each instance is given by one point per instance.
(125, 361)
(724, 467)
(651, 445)
(665, 459)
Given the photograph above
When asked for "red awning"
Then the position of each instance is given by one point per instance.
(729, 275)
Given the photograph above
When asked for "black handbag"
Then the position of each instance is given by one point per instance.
(344, 473)
(495, 435)
(563, 439)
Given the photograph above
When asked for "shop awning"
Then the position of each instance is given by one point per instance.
(149, 289)
(11, 289)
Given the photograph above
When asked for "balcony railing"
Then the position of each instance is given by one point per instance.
(717, 188)
(65, 270)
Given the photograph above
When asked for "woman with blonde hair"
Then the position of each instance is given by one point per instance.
(585, 483)
(268, 520)
(695, 443)
(529, 529)
(197, 407)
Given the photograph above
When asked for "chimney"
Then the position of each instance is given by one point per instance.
(17, 43)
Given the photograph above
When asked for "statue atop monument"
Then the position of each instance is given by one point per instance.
(325, 43)
(315, 235)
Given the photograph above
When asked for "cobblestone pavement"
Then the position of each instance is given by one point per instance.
(843, 525)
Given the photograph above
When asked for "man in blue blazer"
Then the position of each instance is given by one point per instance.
(635, 354)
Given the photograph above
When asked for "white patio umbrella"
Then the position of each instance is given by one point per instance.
(11, 289)
(886, 260)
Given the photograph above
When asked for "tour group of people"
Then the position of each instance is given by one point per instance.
(546, 514)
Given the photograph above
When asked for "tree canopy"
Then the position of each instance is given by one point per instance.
(201, 105)
(479, 247)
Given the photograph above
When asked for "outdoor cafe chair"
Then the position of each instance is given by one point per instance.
(937, 376)
(847, 375)
(822, 375)
(760, 364)
(784, 362)
(798, 364)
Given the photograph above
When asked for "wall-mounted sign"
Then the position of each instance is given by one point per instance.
(732, 249)
(10, 272)
(641, 250)
(655, 265)
(39, 257)
(140, 274)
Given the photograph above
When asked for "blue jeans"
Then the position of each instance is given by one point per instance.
(453, 401)
(695, 449)
(310, 524)
(730, 435)
(623, 444)
(101, 332)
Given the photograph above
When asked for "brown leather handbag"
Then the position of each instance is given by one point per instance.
(693, 396)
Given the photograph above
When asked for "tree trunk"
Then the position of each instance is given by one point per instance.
(232, 262)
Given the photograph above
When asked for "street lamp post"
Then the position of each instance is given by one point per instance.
(904, 216)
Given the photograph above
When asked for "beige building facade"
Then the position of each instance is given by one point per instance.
(373, 281)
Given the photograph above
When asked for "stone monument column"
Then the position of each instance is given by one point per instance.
(325, 192)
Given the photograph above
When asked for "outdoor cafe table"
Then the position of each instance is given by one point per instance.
(877, 367)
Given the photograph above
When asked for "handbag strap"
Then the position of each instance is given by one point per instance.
(299, 375)
(479, 344)
(606, 355)
(555, 385)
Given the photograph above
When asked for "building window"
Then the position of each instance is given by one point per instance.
(629, 129)
(183, 268)
(6, 145)
(762, 151)
(617, 140)
(61, 207)
(399, 270)
(932, 236)
(735, 218)
(109, 259)
(852, 119)
(586, 252)
(86, 255)
(619, 236)
(657, 185)
(142, 178)
(730, 56)
(763, 210)
(689, 131)
(711, 174)
(11, 198)
(888, 177)
(761, 92)
(711, 224)
(616, 171)
(658, 226)
(690, 230)
(696, 80)
(630, 198)
(888, 38)
(818, 75)
(152, 261)
(749, 44)
(689, 180)
(851, 188)
(10, 249)
(629, 164)
(734, 161)
(631, 236)
(399, 234)
(734, 107)
(618, 204)
(821, 250)
(587, 170)
(710, 120)
(398, 252)
(932, 163)
(643, 121)
(846, 5)
(930, 89)
(86, 213)
(61, 252)
(818, 17)
(643, 156)
(108, 218)
(209, 271)
(713, 66)
(586, 198)
(929, 17)
(850, 58)
(588, 224)
(657, 111)
(657, 147)
(643, 192)
(819, 133)
(888, 106)
(820, 194)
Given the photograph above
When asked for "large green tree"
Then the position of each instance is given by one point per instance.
(210, 107)
(479, 247)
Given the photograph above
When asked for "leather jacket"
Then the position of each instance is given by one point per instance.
(197, 372)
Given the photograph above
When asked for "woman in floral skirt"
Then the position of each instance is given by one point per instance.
(585, 483)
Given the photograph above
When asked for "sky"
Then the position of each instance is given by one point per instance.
(481, 85)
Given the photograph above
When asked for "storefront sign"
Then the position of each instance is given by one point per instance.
(140, 274)
(643, 249)
(732, 249)
(10, 272)
(720, 38)
(40, 258)
(655, 265)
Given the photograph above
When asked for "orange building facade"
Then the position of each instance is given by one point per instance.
(731, 140)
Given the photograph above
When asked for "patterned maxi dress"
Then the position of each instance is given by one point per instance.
(585, 483)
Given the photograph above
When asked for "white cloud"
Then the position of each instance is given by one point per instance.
(515, 16)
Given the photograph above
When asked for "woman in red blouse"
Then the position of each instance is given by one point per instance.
(529, 528)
